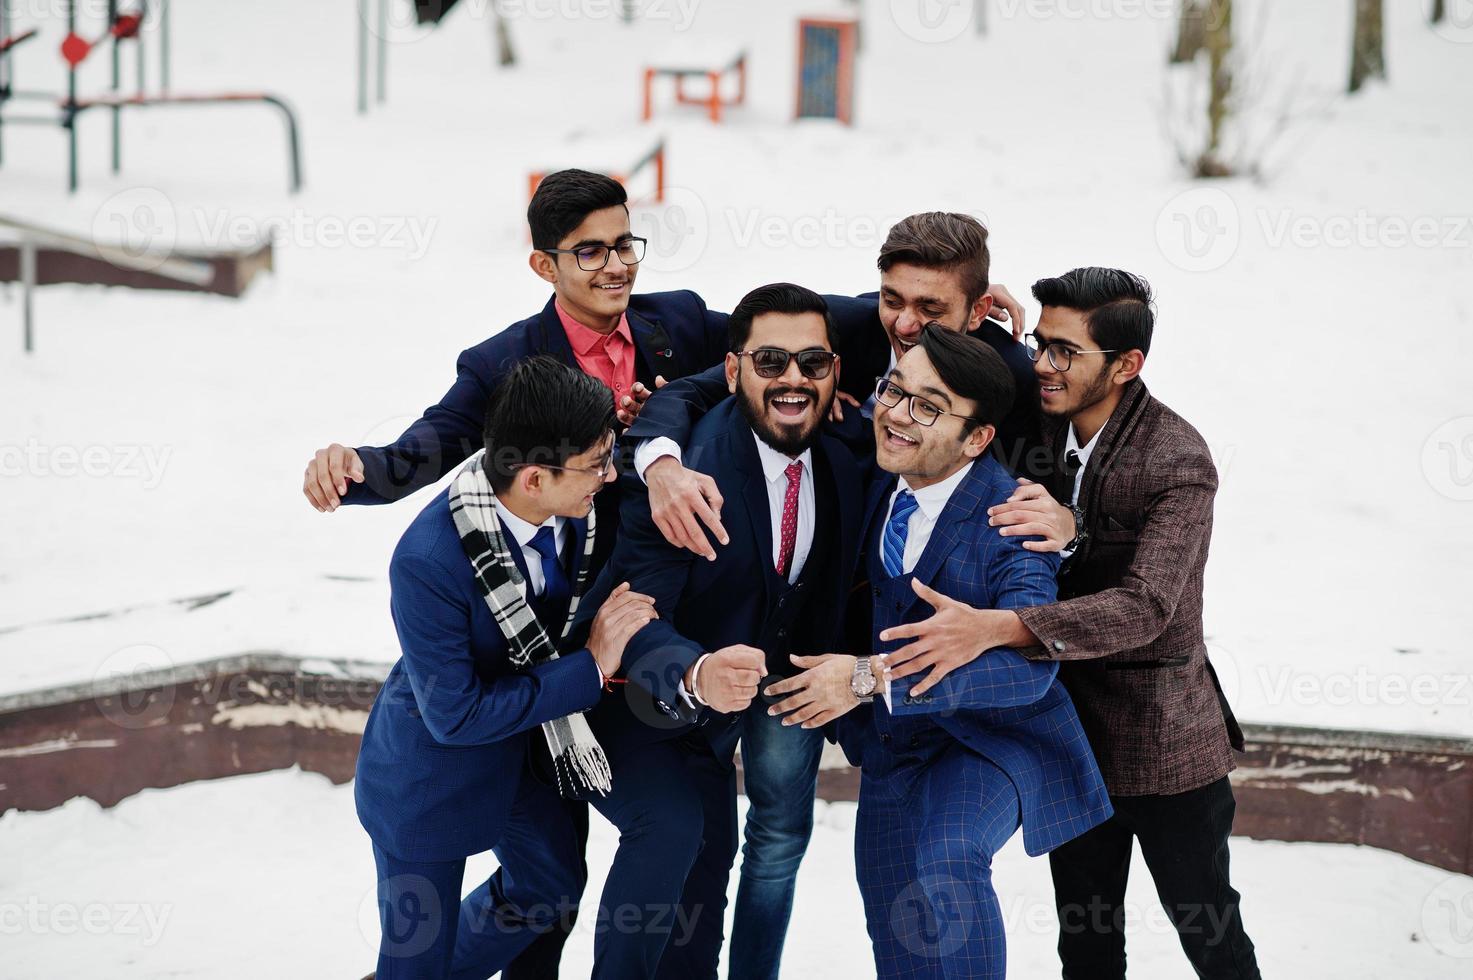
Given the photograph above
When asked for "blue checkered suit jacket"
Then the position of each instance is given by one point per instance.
(447, 740)
(1011, 710)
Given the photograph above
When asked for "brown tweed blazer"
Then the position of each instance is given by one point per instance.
(1128, 627)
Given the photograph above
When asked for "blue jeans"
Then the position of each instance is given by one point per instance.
(780, 771)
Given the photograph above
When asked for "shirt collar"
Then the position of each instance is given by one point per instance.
(522, 530)
(933, 499)
(1071, 444)
(585, 339)
(775, 464)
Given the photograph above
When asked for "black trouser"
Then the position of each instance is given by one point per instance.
(541, 959)
(1184, 839)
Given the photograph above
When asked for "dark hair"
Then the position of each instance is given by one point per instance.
(778, 297)
(941, 240)
(564, 198)
(972, 369)
(1117, 305)
(543, 412)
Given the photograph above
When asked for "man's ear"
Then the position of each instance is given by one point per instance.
(529, 480)
(1128, 367)
(544, 265)
(733, 366)
(978, 440)
(980, 309)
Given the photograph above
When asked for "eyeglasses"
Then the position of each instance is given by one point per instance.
(1056, 352)
(592, 258)
(921, 411)
(601, 470)
(772, 362)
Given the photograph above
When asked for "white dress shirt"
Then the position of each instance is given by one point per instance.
(930, 502)
(774, 468)
(774, 471)
(523, 532)
(1071, 445)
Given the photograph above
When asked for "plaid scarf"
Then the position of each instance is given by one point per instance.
(578, 759)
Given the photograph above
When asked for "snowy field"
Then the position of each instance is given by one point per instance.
(1314, 324)
(156, 887)
(154, 443)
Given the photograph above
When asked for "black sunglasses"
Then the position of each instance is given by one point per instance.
(772, 362)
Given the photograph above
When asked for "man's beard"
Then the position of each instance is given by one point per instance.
(784, 439)
(1093, 394)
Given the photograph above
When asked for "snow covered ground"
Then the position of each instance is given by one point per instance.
(1314, 325)
(275, 868)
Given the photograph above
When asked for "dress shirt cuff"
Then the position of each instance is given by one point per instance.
(651, 450)
(688, 696)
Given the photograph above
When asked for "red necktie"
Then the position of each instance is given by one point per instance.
(790, 518)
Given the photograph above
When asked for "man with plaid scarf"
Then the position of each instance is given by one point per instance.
(478, 732)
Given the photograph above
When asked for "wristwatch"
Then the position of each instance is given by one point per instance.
(1079, 532)
(862, 682)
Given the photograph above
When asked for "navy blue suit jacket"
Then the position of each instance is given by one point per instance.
(673, 332)
(448, 736)
(1011, 710)
(703, 605)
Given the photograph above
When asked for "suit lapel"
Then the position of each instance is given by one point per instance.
(960, 511)
(754, 493)
(1113, 437)
(552, 338)
(653, 343)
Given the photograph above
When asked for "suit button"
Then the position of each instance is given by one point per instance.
(884, 739)
(782, 633)
(1060, 646)
(877, 593)
(915, 741)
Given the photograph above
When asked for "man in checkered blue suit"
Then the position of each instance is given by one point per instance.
(948, 775)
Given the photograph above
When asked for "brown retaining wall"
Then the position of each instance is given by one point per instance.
(258, 712)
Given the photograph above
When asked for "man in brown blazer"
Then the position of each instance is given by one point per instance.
(1127, 632)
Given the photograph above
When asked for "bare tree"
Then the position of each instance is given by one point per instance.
(979, 15)
(506, 56)
(1191, 31)
(1218, 40)
(1439, 11)
(1367, 48)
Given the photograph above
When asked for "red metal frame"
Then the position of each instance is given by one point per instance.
(712, 99)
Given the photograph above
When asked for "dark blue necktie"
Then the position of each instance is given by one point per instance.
(555, 586)
(897, 528)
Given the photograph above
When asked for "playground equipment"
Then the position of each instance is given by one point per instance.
(651, 163)
(712, 70)
(121, 27)
(37, 256)
(826, 50)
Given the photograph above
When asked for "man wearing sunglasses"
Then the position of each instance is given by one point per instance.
(695, 674)
(1127, 635)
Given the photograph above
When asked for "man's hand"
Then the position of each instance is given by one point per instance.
(1031, 510)
(729, 678)
(680, 500)
(327, 476)
(630, 405)
(836, 410)
(1008, 310)
(818, 695)
(623, 614)
(944, 642)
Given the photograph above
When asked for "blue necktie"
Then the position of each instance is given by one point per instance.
(892, 546)
(555, 586)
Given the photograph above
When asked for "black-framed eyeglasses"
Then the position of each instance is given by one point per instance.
(591, 258)
(1060, 356)
(772, 362)
(607, 463)
(922, 412)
